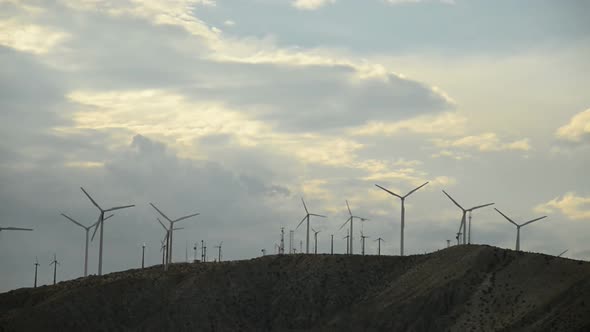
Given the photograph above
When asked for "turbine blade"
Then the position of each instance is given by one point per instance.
(532, 221)
(318, 215)
(348, 206)
(416, 189)
(16, 229)
(302, 220)
(74, 221)
(313, 230)
(161, 223)
(505, 216)
(480, 206)
(160, 212)
(454, 201)
(186, 217)
(345, 223)
(108, 217)
(178, 228)
(90, 198)
(119, 208)
(389, 191)
(304, 206)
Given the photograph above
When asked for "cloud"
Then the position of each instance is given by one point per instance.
(398, 2)
(484, 142)
(445, 124)
(311, 4)
(572, 206)
(577, 130)
(31, 38)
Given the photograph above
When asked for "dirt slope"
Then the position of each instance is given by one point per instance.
(464, 288)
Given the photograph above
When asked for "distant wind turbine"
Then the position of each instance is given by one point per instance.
(55, 263)
(403, 216)
(100, 224)
(307, 215)
(332, 244)
(219, 251)
(463, 227)
(143, 255)
(87, 229)
(315, 238)
(363, 237)
(519, 226)
(350, 234)
(379, 245)
(171, 229)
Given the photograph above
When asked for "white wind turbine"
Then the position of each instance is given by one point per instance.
(172, 222)
(403, 199)
(315, 237)
(519, 226)
(463, 227)
(87, 229)
(351, 220)
(307, 215)
(166, 243)
(100, 224)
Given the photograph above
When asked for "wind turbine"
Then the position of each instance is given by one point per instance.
(347, 237)
(87, 229)
(463, 228)
(36, 266)
(379, 246)
(307, 215)
(363, 237)
(143, 255)
(166, 242)
(519, 226)
(55, 263)
(315, 238)
(403, 199)
(219, 251)
(351, 220)
(100, 224)
(172, 222)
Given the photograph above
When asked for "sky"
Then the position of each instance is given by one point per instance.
(235, 109)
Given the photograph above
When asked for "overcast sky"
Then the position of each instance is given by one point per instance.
(236, 109)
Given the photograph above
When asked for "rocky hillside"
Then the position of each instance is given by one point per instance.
(463, 288)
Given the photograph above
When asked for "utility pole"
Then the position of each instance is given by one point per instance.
(202, 251)
(332, 245)
(36, 266)
(143, 255)
(195, 251)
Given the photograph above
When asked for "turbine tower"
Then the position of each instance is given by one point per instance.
(332, 244)
(307, 215)
(347, 237)
(403, 199)
(282, 245)
(100, 224)
(315, 238)
(172, 222)
(519, 226)
(166, 243)
(87, 229)
(350, 234)
(143, 255)
(463, 227)
(36, 266)
(379, 246)
(55, 263)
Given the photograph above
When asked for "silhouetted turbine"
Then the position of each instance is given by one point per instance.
(403, 199)
(307, 215)
(462, 227)
(519, 226)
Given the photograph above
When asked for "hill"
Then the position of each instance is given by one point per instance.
(463, 288)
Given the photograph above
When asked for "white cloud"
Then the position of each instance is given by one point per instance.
(229, 23)
(577, 129)
(311, 4)
(572, 206)
(29, 38)
(484, 142)
(446, 124)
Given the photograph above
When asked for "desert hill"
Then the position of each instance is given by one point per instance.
(463, 288)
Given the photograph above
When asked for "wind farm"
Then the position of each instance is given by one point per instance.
(457, 133)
